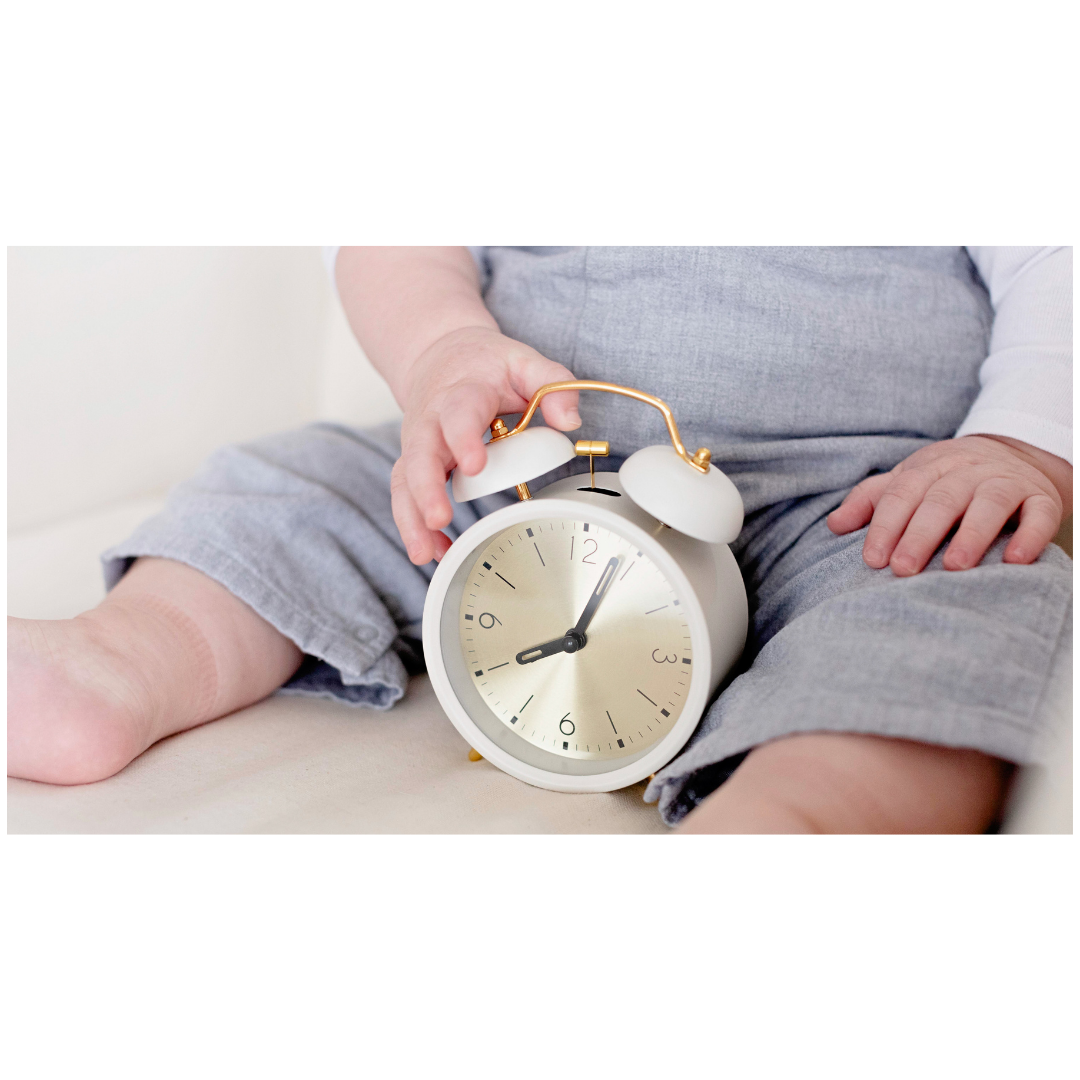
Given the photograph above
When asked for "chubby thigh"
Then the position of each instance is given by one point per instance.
(834, 782)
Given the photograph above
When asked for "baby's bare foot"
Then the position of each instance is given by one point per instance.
(87, 695)
(167, 649)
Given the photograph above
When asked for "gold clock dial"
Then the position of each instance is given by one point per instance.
(575, 640)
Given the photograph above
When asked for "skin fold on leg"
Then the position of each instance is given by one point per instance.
(834, 782)
(168, 649)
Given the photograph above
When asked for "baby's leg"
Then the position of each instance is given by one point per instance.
(168, 648)
(864, 685)
(832, 782)
(294, 532)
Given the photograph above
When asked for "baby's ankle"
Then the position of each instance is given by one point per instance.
(87, 695)
(161, 649)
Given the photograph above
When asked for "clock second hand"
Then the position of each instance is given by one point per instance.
(574, 639)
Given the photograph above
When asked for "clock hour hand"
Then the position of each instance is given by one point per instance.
(602, 586)
(538, 652)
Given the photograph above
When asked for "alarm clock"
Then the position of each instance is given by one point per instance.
(574, 638)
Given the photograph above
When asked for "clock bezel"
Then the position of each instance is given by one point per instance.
(441, 631)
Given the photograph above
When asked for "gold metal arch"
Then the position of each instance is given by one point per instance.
(699, 460)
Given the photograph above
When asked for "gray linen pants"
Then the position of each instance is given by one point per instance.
(803, 370)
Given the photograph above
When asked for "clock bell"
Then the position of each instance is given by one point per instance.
(684, 491)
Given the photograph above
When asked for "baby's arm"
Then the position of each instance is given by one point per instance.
(419, 315)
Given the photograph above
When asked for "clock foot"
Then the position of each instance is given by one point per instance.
(474, 756)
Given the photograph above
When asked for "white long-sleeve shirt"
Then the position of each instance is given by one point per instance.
(1026, 380)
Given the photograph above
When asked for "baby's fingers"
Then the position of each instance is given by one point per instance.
(425, 459)
(559, 410)
(895, 506)
(858, 505)
(993, 503)
(421, 543)
(465, 417)
(1040, 519)
(942, 506)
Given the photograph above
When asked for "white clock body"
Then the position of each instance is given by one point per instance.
(597, 711)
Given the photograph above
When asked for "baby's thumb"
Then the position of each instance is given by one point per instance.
(560, 410)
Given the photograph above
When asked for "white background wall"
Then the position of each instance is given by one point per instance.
(127, 366)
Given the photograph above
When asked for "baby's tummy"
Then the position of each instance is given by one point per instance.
(756, 346)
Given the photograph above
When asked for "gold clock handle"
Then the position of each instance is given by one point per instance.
(699, 461)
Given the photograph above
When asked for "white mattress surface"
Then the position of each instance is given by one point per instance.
(299, 765)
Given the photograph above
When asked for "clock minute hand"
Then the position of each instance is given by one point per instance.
(602, 586)
(574, 639)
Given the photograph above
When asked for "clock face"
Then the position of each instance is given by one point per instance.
(574, 639)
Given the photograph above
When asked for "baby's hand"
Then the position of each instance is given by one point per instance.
(983, 479)
(455, 389)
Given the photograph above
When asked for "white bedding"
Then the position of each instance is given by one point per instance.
(295, 765)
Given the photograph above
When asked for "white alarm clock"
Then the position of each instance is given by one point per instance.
(575, 637)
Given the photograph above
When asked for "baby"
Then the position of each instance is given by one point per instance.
(866, 402)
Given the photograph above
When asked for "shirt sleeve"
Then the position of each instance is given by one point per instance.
(1026, 381)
